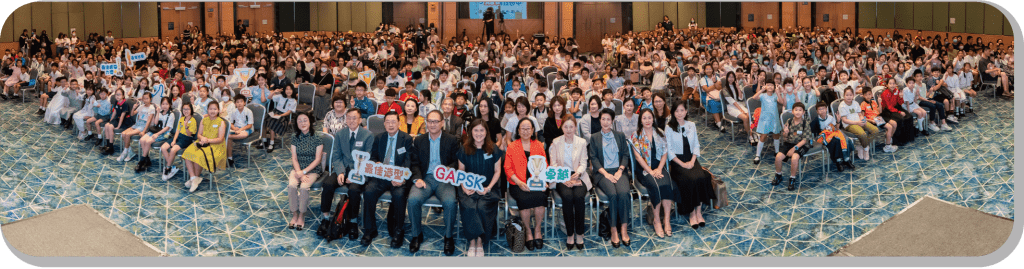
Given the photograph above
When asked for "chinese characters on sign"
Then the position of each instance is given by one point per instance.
(543, 174)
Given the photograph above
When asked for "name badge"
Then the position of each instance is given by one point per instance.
(359, 143)
(799, 132)
(401, 150)
(487, 156)
(215, 126)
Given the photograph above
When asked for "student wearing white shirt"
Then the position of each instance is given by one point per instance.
(284, 105)
(854, 122)
(241, 120)
(690, 84)
(961, 90)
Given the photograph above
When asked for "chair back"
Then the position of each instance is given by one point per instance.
(259, 113)
(748, 91)
(306, 93)
(618, 106)
(327, 140)
(753, 104)
(557, 85)
(471, 70)
(547, 70)
(376, 124)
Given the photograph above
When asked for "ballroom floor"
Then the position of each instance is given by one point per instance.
(244, 214)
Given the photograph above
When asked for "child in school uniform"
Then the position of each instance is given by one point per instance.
(76, 99)
(164, 122)
(86, 113)
(121, 119)
(202, 101)
(826, 129)
(102, 109)
(796, 140)
(284, 105)
(854, 121)
(241, 123)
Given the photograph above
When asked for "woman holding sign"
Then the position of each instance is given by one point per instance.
(479, 155)
(530, 202)
(649, 149)
(570, 151)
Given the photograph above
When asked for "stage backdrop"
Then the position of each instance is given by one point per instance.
(512, 10)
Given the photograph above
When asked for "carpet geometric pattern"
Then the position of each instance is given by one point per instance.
(42, 167)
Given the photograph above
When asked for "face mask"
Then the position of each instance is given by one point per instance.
(789, 88)
(323, 69)
(279, 73)
(225, 98)
(217, 61)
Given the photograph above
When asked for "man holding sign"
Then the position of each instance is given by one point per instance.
(390, 148)
(353, 138)
(437, 148)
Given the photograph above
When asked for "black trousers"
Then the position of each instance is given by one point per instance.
(355, 192)
(574, 211)
(376, 187)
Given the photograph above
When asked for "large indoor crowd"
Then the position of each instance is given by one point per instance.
(625, 120)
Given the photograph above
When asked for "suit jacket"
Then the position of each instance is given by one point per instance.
(421, 153)
(343, 154)
(454, 126)
(596, 148)
(556, 157)
(403, 150)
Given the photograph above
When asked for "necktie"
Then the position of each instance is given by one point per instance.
(352, 141)
(389, 157)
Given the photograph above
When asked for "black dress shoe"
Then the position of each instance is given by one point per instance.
(353, 231)
(615, 244)
(291, 226)
(414, 243)
(701, 224)
(449, 246)
(625, 243)
(298, 228)
(538, 243)
(368, 238)
(569, 246)
(849, 164)
(580, 246)
(839, 167)
(397, 241)
(778, 178)
(261, 145)
(529, 245)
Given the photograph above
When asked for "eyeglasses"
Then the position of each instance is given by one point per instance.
(433, 121)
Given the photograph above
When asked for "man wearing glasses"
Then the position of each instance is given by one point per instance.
(437, 148)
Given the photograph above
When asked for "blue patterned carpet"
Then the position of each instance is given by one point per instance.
(244, 214)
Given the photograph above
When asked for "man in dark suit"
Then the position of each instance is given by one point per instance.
(435, 149)
(345, 141)
(394, 148)
(452, 124)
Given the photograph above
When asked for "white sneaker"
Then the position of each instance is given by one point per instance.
(933, 127)
(123, 154)
(131, 155)
(945, 127)
(889, 149)
(952, 119)
(195, 184)
(174, 171)
(81, 136)
(188, 183)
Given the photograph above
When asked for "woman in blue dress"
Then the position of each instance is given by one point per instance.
(768, 122)
(478, 209)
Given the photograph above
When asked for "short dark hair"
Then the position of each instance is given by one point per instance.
(391, 113)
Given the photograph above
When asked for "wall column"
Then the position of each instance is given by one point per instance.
(566, 13)
(789, 15)
(449, 11)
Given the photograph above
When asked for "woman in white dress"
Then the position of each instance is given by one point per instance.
(660, 80)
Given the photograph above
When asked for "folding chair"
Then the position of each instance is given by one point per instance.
(375, 123)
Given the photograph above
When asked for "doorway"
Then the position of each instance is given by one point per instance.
(593, 20)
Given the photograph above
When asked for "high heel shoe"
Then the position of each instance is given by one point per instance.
(701, 224)
(568, 246)
(529, 245)
(625, 243)
(615, 244)
(580, 246)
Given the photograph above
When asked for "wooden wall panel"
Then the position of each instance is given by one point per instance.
(686, 11)
(76, 19)
(182, 18)
(993, 20)
(804, 14)
(975, 18)
(672, 11)
(359, 16)
(655, 11)
(7, 32)
(227, 18)
(922, 15)
(450, 22)
(150, 19)
(434, 14)
(344, 17)
(329, 17)
(702, 17)
(761, 11)
(904, 15)
(940, 16)
(958, 11)
(374, 16)
(22, 20)
(567, 26)
(551, 18)
(41, 18)
(59, 18)
(867, 16)
(1007, 26)
(886, 15)
(788, 15)
(314, 9)
(641, 17)
(112, 19)
(130, 20)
